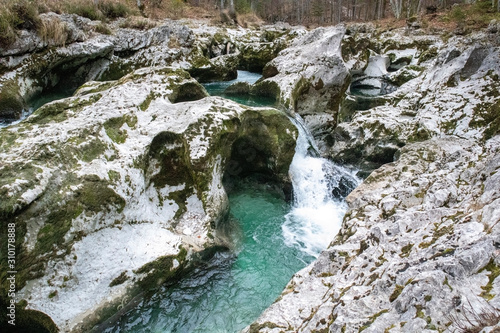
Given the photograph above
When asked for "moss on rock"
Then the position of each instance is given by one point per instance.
(11, 102)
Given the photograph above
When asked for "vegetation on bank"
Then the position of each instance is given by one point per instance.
(16, 15)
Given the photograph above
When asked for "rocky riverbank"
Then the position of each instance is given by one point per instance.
(418, 250)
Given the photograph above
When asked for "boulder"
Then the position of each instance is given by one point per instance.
(113, 195)
(238, 88)
(311, 77)
(31, 67)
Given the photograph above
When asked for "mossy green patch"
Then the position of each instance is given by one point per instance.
(371, 319)
(437, 233)
(29, 320)
(94, 87)
(11, 103)
(91, 150)
(120, 279)
(116, 70)
(113, 129)
(256, 328)
(494, 270)
(161, 270)
(266, 89)
(447, 283)
(113, 175)
(58, 111)
(167, 162)
(25, 177)
(487, 116)
(395, 294)
(147, 101)
(187, 91)
(406, 250)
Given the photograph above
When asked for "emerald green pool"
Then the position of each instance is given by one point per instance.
(233, 288)
(273, 240)
(218, 88)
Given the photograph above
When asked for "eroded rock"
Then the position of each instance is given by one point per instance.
(113, 195)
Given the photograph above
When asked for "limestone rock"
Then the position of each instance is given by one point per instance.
(440, 98)
(310, 77)
(103, 187)
(418, 243)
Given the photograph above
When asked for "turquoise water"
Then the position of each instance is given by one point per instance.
(274, 240)
(218, 88)
(231, 290)
(37, 102)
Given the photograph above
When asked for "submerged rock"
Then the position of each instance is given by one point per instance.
(112, 195)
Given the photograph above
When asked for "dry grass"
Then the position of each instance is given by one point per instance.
(249, 20)
(160, 9)
(139, 23)
(470, 319)
(53, 31)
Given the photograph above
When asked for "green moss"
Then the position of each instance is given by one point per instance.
(372, 319)
(145, 104)
(372, 278)
(427, 298)
(419, 312)
(266, 89)
(395, 294)
(117, 70)
(256, 328)
(114, 131)
(113, 175)
(494, 270)
(444, 253)
(119, 279)
(388, 329)
(94, 87)
(53, 294)
(363, 245)
(172, 162)
(487, 116)
(180, 198)
(447, 283)
(437, 233)
(91, 150)
(11, 103)
(58, 110)
(29, 320)
(161, 270)
(406, 250)
(186, 92)
(429, 54)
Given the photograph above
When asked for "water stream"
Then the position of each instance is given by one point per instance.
(218, 89)
(274, 239)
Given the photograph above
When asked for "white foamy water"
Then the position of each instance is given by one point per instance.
(316, 215)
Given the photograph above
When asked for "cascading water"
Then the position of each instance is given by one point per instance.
(318, 205)
(276, 240)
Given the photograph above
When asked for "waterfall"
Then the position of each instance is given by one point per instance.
(319, 189)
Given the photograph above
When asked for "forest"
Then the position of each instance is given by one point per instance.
(327, 12)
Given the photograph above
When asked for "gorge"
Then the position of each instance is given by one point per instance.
(143, 203)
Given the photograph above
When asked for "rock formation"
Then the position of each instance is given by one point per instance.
(418, 249)
(116, 190)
